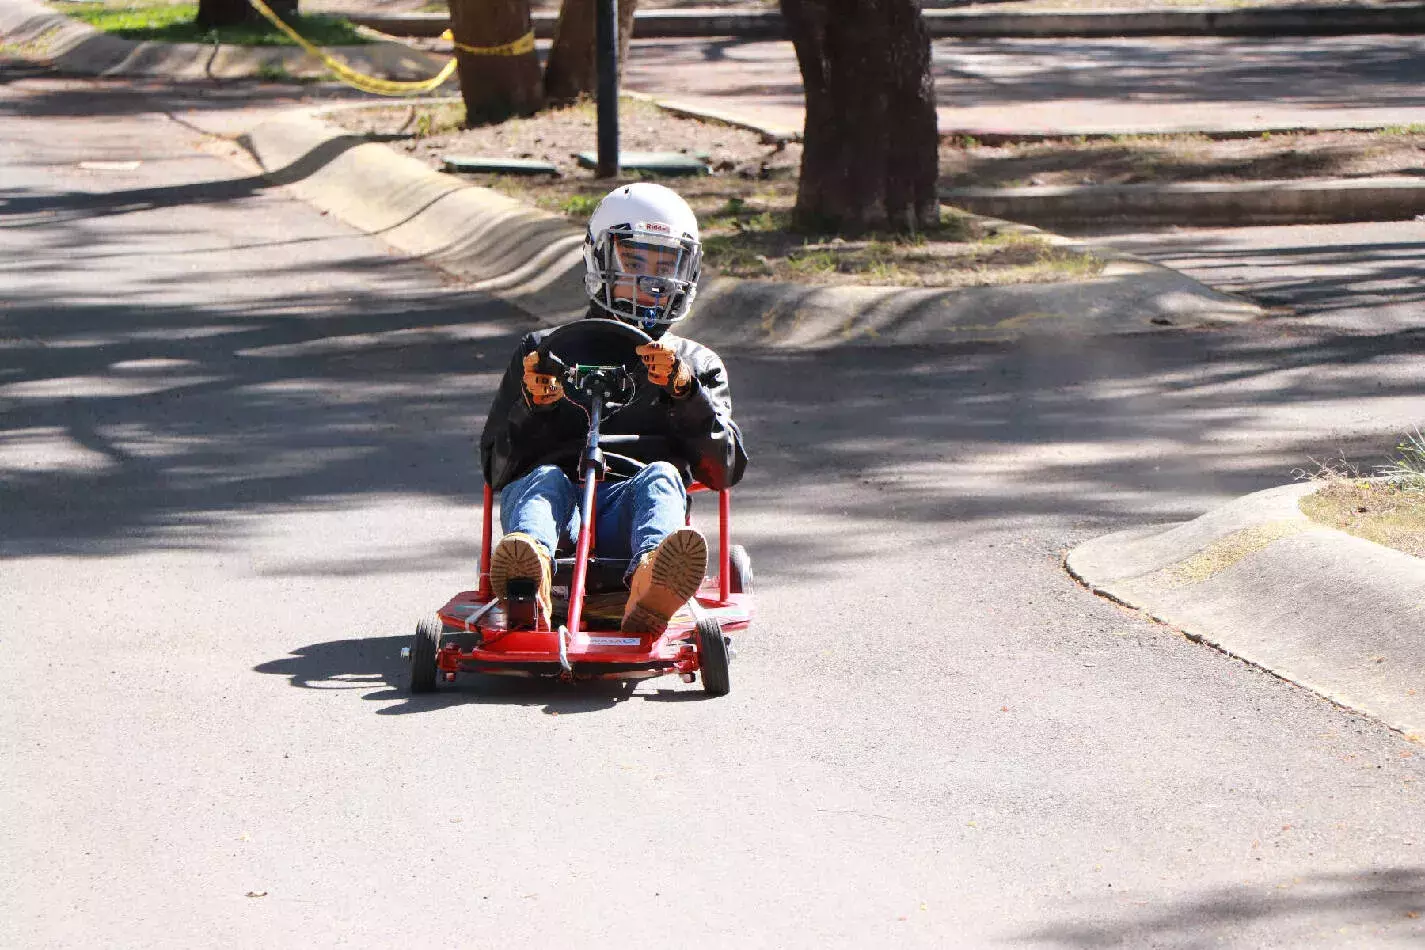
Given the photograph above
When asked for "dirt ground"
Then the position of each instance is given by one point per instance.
(1185, 158)
(744, 200)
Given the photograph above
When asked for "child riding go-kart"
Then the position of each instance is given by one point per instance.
(476, 631)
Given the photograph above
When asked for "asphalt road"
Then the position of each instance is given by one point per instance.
(236, 448)
(1347, 278)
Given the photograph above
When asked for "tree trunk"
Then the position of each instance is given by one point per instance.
(216, 13)
(573, 67)
(494, 87)
(870, 145)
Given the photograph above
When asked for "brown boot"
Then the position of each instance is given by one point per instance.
(519, 557)
(664, 580)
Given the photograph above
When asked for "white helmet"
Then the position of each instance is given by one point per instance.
(642, 256)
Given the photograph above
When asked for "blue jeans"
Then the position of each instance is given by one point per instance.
(630, 517)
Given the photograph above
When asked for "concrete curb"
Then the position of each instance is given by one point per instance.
(767, 24)
(1256, 578)
(1396, 198)
(531, 259)
(68, 46)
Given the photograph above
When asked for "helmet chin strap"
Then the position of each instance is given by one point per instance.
(646, 319)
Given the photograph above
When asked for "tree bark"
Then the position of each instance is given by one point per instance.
(216, 13)
(494, 87)
(870, 145)
(573, 66)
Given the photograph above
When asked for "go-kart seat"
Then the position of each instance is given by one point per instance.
(604, 591)
(605, 574)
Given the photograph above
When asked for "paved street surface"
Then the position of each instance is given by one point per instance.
(236, 451)
(1081, 85)
(1351, 278)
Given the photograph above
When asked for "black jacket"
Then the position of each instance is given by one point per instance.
(698, 434)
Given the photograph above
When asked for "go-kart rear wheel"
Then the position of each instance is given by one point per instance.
(713, 658)
(423, 651)
(739, 571)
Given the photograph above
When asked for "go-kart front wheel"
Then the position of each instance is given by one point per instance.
(713, 658)
(423, 651)
(739, 564)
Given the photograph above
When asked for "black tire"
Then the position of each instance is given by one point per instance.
(423, 651)
(739, 569)
(712, 658)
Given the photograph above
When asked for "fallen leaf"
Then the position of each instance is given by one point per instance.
(256, 893)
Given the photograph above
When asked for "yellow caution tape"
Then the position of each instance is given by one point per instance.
(525, 44)
(358, 80)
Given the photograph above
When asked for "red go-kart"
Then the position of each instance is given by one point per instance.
(477, 632)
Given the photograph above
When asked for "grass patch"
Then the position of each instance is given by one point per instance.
(759, 241)
(274, 72)
(176, 23)
(1388, 509)
(1406, 472)
(1374, 510)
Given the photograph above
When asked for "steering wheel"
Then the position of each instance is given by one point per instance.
(593, 341)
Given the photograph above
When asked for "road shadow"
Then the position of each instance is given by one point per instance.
(1387, 902)
(135, 427)
(375, 664)
(1320, 279)
(176, 360)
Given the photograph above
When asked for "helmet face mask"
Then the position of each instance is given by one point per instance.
(642, 257)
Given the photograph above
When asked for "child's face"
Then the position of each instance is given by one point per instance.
(643, 260)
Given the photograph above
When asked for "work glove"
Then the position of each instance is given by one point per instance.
(665, 369)
(540, 388)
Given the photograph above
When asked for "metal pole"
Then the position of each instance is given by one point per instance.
(606, 39)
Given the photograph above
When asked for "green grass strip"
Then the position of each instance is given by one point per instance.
(176, 23)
